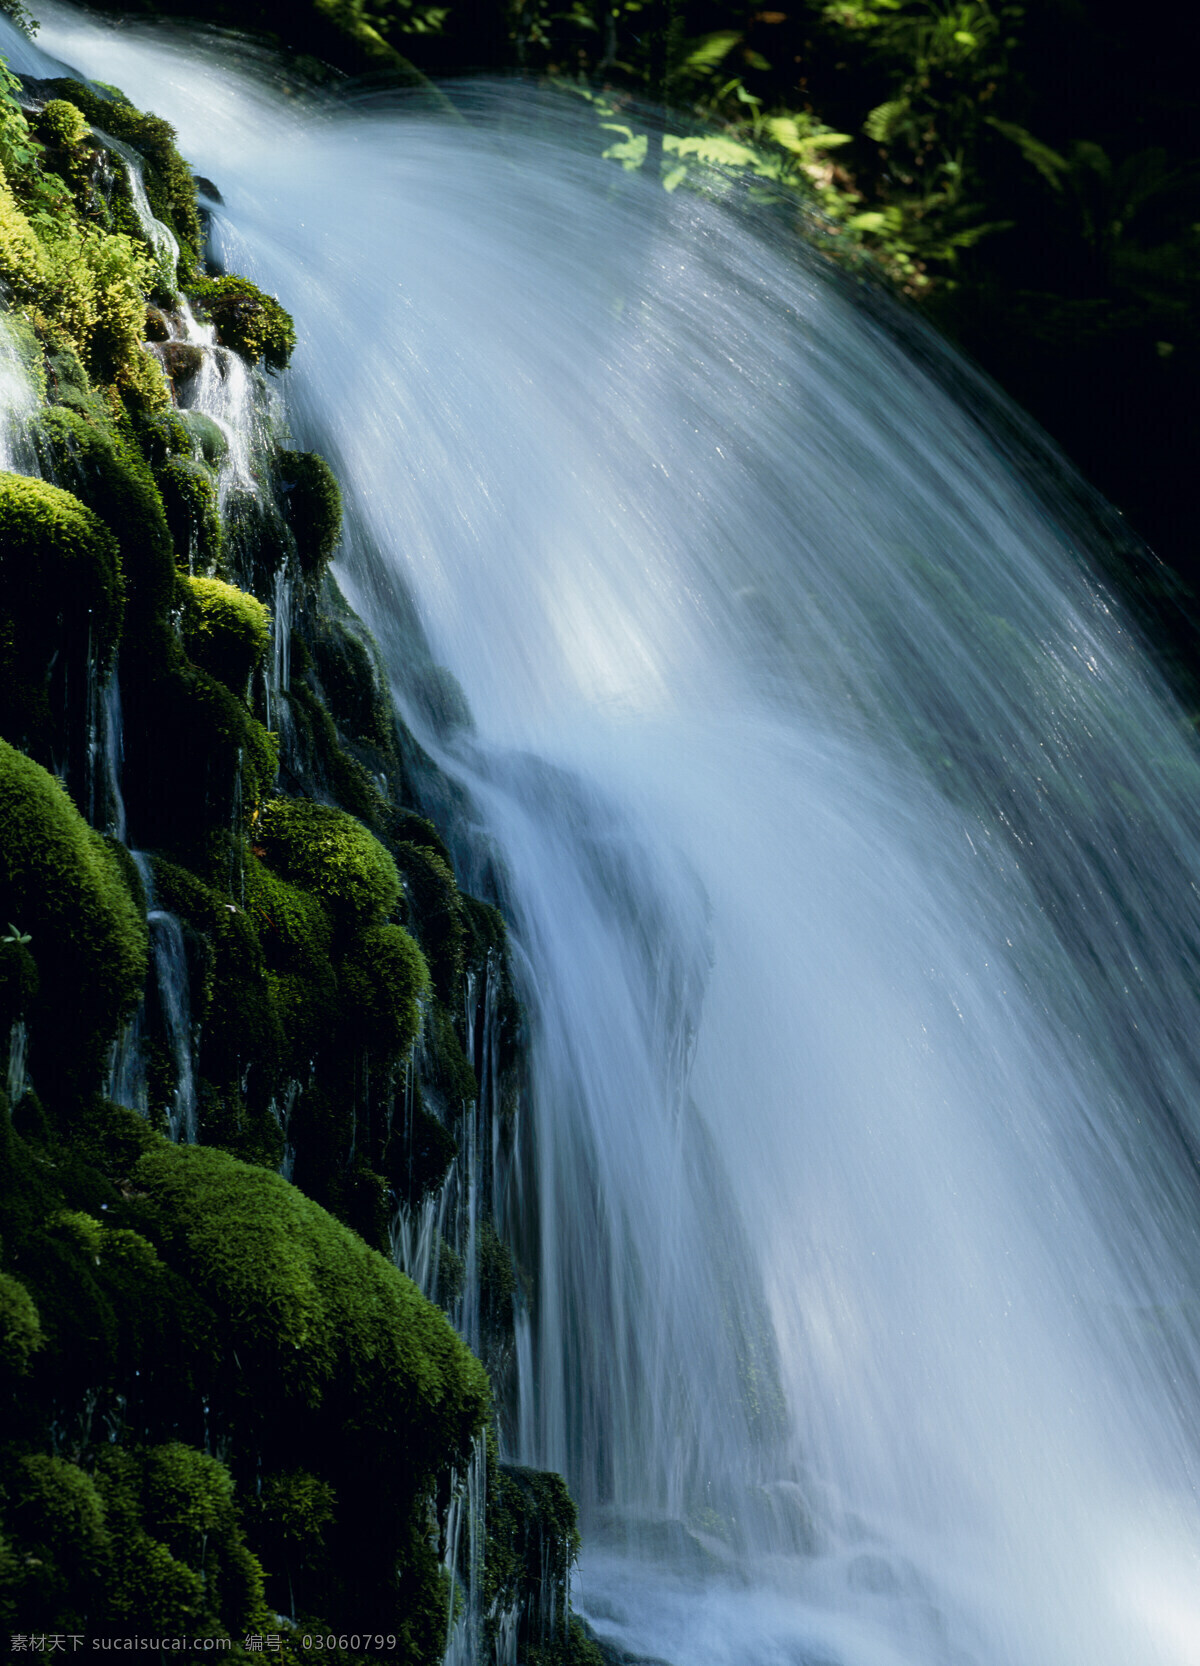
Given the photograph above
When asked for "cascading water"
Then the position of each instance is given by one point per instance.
(850, 845)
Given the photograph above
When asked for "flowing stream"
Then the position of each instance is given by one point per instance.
(851, 846)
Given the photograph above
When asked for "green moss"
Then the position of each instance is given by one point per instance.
(299, 1506)
(331, 855)
(18, 984)
(331, 768)
(114, 481)
(20, 1327)
(532, 1541)
(61, 593)
(247, 320)
(451, 1275)
(163, 435)
(205, 434)
(179, 1559)
(381, 980)
(446, 1065)
(61, 883)
(346, 668)
(295, 933)
(57, 1518)
(419, 1163)
(192, 507)
(226, 631)
(310, 1308)
(232, 996)
(64, 123)
(436, 912)
(308, 490)
(169, 184)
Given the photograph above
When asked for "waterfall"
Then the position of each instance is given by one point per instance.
(849, 841)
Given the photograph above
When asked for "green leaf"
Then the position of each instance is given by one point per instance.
(709, 51)
(676, 177)
(1048, 163)
(884, 119)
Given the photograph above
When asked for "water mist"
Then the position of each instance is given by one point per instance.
(849, 842)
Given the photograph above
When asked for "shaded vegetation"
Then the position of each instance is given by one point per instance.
(220, 1399)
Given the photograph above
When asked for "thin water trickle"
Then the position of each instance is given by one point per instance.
(848, 838)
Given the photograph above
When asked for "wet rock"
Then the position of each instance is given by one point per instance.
(182, 359)
(157, 327)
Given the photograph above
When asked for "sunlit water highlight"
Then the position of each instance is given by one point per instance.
(850, 843)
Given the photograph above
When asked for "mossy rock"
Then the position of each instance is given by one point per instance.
(225, 631)
(179, 1560)
(62, 885)
(249, 321)
(114, 481)
(206, 435)
(347, 671)
(62, 593)
(168, 179)
(20, 1327)
(232, 997)
(18, 983)
(296, 935)
(163, 435)
(192, 507)
(313, 1311)
(532, 1542)
(381, 981)
(312, 502)
(445, 1066)
(63, 124)
(331, 855)
(436, 911)
(57, 1520)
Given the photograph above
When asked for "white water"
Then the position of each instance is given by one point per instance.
(840, 817)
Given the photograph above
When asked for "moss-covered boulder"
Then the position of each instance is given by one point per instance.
(382, 979)
(191, 504)
(312, 502)
(249, 321)
(64, 888)
(169, 185)
(331, 855)
(93, 462)
(62, 597)
(20, 1327)
(225, 631)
